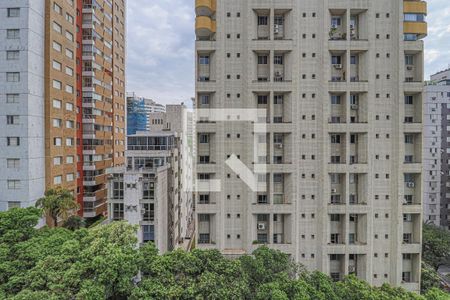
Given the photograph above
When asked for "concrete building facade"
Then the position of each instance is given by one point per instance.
(342, 189)
(151, 191)
(22, 154)
(437, 150)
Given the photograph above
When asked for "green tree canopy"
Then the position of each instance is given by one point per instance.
(104, 262)
(57, 203)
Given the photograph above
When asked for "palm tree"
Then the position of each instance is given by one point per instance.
(57, 203)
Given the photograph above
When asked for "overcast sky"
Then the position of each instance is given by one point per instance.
(161, 47)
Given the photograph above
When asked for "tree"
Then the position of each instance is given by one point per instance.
(57, 203)
(436, 245)
(105, 262)
(429, 279)
(74, 223)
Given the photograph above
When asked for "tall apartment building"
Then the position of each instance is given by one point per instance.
(22, 150)
(103, 92)
(63, 99)
(437, 150)
(138, 113)
(151, 191)
(340, 83)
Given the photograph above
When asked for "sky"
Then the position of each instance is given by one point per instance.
(161, 37)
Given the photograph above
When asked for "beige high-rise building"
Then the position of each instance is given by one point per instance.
(341, 82)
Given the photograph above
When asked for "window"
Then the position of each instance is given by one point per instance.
(335, 22)
(353, 60)
(69, 36)
(57, 8)
(69, 53)
(70, 124)
(56, 65)
(263, 20)
(57, 84)
(334, 238)
(117, 211)
(13, 204)
(335, 99)
(57, 104)
(117, 190)
(12, 120)
(69, 18)
(70, 177)
(12, 77)
(278, 99)
(414, 17)
(12, 55)
(149, 212)
(69, 89)
(14, 184)
(13, 141)
(335, 60)
(13, 12)
(262, 59)
(57, 160)
(13, 34)
(57, 27)
(262, 99)
(204, 99)
(57, 123)
(335, 218)
(409, 60)
(406, 276)
(278, 59)
(57, 46)
(409, 139)
(69, 141)
(69, 106)
(409, 99)
(69, 71)
(13, 163)
(57, 179)
(204, 139)
(69, 159)
(12, 98)
(335, 139)
(57, 141)
(204, 60)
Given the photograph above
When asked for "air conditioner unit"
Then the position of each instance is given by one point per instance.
(351, 269)
(410, 184)
(279, 146)
(337, 66)
(354, 106)
(277, 28)
(278, 74)
(261, 226)
(409, 68)
(333, 191)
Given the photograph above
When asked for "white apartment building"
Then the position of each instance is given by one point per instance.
(22, 155)
(152, 190)
(436, 190)
(341, 85)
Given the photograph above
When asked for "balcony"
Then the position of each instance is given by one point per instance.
(414, 25)
(205, 7)
(205, 27)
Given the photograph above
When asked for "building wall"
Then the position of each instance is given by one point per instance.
(103, 99)
(436, 167)
(60, 95)
(140, 112)
(316, 149)
(29, 106)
